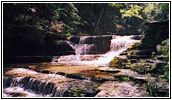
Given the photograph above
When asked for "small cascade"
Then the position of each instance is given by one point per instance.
(29, 84)
(39, 84)
(96, 50)
(121, 42)
(82, 48)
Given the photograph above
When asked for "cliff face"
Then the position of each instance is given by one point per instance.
(155, 33)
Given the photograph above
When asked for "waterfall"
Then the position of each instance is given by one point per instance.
(96, 50)
(43, 84)
(39, 84)
(82, 48)
(89, 50)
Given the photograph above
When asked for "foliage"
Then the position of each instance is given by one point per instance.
(146, 11)
(116, 62)
(125, 79)
(163, 48)
(166, 75)
(26, 26)
(156, 11)
(132, 11)
(152, 87)
(154, 56)
(140, 68)
(76, 91)
(134, 46)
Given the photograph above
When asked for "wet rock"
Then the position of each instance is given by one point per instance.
(124, 53)
(100, 44)
(52, 84)
(75, 76)
(81, 77)
(74, 39)
(137, 37)
(7, 81)
(17, 94)
(63, 48)
(108, 71)
(89, 57)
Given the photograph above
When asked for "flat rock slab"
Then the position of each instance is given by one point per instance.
(121, 89)
(125, 72)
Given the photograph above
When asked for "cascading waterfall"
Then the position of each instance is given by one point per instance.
(39, 85)
(89, 50)
(82, 50)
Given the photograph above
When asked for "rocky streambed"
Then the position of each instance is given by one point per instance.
(59, 80)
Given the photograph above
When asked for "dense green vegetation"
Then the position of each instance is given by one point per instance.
(34, 28)
(38, 29)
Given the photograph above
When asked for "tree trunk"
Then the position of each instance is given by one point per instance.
(98, 21)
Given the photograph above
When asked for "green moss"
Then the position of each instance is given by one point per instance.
(116, 62)
(134, 46)
(152, 87)
(76, 91)
(125, 79)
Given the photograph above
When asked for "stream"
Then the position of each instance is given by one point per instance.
(76, 75)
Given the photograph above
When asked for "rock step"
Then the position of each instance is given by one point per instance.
(161, 57)
(53, 84)
(137, 37)
(150, 65)
(155, 61)
(148, 61)
(78, 76)
(141, 52)
(139, 80)
(138, 56)
(133, 60)
(144, 63)
(126, 73)
(124, 53)
(53, 88)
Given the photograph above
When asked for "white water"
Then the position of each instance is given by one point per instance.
(118, 44)
(18, 89)
(80, 48)
(37, 85)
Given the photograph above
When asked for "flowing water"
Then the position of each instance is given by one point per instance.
(82, 51)
(90, 51)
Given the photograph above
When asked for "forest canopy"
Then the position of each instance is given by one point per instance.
(33, 27)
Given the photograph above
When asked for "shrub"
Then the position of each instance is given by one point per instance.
(116, 62)
(163, 49)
